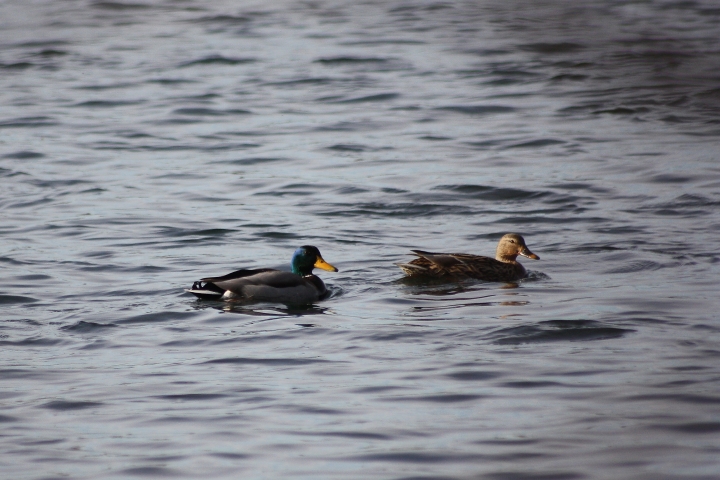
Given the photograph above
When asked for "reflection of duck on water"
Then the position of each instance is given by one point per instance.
(503, 268)
(266, 284)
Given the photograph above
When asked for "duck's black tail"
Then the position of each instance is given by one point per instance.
(206, 291)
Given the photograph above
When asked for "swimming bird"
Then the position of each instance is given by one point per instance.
(502, 268)
(269, 285)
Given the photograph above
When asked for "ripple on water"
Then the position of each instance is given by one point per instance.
(691, 398)
(474, 375)
(365, 64)
(35, 341)
(696, 428)
(16, 65)
(348, 147)
(29, 122)
(541, 142)
(477, 109)
(380, 97)
(275, 362)
(69, 405)
(534, 475)
(150, 318)
(344, 60)
(192, 397)
(23, 155)
(217, 60)
(152, 472)
(440, 398)
(87, 327)
(685, 205)
(636, 266)
(224, 19)
(248, 161)
(22, 373)
(169, 231)
(398, 210)
(15, 299)
(507, 194)
(108, 103)
(312, 81)
(551, 48)
(210, 112)
(350, 434)
(557, 331)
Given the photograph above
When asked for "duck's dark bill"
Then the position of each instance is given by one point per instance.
(320, 263)
(527, 253)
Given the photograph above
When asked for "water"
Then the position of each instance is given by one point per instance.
(144, 145)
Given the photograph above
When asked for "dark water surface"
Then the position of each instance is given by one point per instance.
(146, 144)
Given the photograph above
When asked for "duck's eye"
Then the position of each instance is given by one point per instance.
(512, 241)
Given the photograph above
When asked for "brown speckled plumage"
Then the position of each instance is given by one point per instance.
(503, 268)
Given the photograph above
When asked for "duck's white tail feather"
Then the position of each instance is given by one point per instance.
(205, 294)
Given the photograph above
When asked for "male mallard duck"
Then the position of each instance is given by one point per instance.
(270, 285)
(502, 268)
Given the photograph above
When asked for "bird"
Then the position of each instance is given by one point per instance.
(503, 268)
(269, 285)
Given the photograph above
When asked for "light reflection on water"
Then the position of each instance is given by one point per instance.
(146, 145)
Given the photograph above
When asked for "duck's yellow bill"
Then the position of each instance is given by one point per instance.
(320, 263)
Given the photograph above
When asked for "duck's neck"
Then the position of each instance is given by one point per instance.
(300, 264)
(500, 257)
(300, 270)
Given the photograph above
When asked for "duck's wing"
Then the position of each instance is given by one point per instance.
(242, 273)
(274, 286)
(264, 277)
(431, 263)
(447, 260)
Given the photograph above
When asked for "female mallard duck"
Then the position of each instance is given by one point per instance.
(502, 268)
(269, 285)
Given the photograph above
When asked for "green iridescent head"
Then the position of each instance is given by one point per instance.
(306, 258)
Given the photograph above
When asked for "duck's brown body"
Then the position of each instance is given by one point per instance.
(503, 268)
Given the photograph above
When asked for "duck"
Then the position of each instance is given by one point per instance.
(297, 287)
(503, 268)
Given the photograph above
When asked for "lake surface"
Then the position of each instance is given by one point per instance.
(146, 144)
